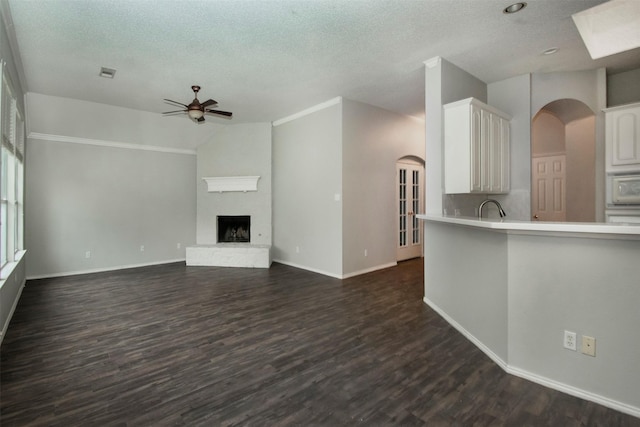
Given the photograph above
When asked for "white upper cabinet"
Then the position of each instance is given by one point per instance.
(623, 138)
(476, 148)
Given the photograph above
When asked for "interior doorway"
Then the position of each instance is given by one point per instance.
(548, 184)
(563, 169)
(409, 202)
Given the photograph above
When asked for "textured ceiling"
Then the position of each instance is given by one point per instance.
(265, 60)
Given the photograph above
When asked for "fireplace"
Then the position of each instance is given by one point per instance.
(234, 228)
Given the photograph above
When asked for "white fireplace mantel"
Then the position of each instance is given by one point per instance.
(219, 184)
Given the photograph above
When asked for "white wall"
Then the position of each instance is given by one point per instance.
(458, 84)
(521, 97)
(580, 85)
(623, 88)
(580, 144)
(471, 291)
(513, 96)
(445, 83)
(592, 289)
(67, 117)
(514, 295)
(236, 150)
(547, 135)
(109, 201)
(307, 180)
(576, 140)
(434, 153)
(334, 168)
(373, 140)
(588, 87)
(107, 196)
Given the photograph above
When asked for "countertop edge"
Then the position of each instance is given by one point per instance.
(537, 226)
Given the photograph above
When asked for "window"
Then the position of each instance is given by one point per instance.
(12, 135)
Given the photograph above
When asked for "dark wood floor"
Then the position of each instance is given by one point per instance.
(176, 345)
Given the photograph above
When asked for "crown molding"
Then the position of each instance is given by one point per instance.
(433, 62)
(111, 144)
(322, 106)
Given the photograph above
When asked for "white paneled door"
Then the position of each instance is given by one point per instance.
(409, 179)
(548, 198)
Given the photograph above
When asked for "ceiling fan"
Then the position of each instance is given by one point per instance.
(196, 110)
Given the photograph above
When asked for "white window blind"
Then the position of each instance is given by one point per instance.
(12, 136)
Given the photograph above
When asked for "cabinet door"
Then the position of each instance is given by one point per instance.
(485, 151)
(499, 155)
(505, 133)
(476, 150)
(625, 137)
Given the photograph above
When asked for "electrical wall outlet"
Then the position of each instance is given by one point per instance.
(178, 246)
(570, 340)
(141, 248)
(87, 254)
(588, 346)
(366, 252)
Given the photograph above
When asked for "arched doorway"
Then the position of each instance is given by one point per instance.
(563, 178)
(409, 203)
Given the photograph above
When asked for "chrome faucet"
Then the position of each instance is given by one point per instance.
(500, 210)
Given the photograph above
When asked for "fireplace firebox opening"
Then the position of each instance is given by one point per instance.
(234, 228)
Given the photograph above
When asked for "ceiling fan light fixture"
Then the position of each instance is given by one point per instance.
(196, 109)
(195, 114)
(516, 7)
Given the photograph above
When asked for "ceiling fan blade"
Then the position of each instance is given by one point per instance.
(174, 112)
(220, 113)
(209, 103)
(176, 102)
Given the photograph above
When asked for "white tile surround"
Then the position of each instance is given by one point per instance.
(229, 255)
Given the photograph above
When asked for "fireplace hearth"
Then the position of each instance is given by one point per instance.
(234, 229)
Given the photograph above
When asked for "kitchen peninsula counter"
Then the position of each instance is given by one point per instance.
(515, 226)
(514, 287)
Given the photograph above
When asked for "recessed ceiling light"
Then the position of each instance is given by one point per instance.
(107, 73)
(516, 7)
(550, 51)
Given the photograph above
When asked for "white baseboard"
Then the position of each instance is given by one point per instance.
(486, 350)
(304, 267)
(369, 270)
(574, 391)
(13, 309)
(337, 276)
(102, 270)
(538, 379)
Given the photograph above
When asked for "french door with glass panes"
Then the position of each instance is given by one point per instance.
(409, 179)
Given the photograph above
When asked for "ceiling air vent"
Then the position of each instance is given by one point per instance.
(107, 73)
